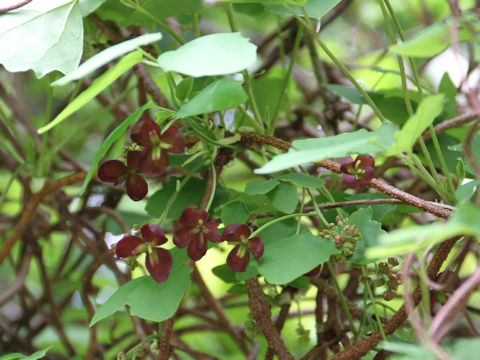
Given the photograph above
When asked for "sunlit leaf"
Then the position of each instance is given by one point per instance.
(215, 54)
(315, 9)
(33, 45)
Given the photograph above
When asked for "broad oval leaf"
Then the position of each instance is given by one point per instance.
(219, 95)
(107, 55)
(148, 299)
(215, 54)
(33, 45)
(288, 258)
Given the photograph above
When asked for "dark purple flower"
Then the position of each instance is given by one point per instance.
(358, 171)
(239, 257)
(158, 261)
(195, 231)
(117, 172)
(156, 145)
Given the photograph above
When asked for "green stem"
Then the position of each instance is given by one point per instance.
(195, 21)
(307, 23)
(283, 94)
(279, 219)
(343, 302)
(373, 300)
(436, 144)
(214, 185)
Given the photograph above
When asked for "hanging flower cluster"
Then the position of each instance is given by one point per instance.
(357, 172)
(151, 161)
(194, 233)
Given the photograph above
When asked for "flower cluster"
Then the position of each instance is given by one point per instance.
(194, 233)
(152, 160)
(387, 278)
(158, 261)
(357, 172)
(344, 235)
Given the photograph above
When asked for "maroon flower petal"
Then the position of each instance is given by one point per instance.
(255, 245)
(368, 175)
(159, 264)
(137, 187)
(112, 171)
(197, 248)
(236, 261)
(133, 159)
(141, 132)
(234, 232)
(347, 164)
(190, 217)
(128, 246)
(182, 237)
(153, 167)
(213, 234)
(351, 181)
(153, 234)
(365, 161)
(174, 137)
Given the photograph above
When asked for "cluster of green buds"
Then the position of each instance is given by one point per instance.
(344, 235)
(252, 329)
(387, 278)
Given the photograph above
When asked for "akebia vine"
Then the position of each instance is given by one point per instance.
(261, 180)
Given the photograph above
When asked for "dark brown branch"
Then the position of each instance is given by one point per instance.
(262, 315)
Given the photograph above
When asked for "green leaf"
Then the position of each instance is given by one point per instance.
(313, 150)
(148, 299)
(215, 54)
(348, 92)
(429, 108)
(260, 186)
(33, 45)
(190, 194)
(466, 191)
(411, 350)
(107, 55)
(288, 258)
(114, 135)
(284, 197)
(429, 42)
(162, 9)
(37, 355)
(315, 9)
(184, 88)
(465, 348)
(89, 6)
(304, 180)
(371, 231)
(234, 212)
(448, 88)
(225, 273)
(266, 1)
(464, 221)
(219, 95)
(98, 85)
